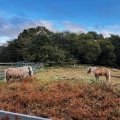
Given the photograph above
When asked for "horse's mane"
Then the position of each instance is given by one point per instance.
(93, 69)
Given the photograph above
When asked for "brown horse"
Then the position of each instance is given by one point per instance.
(19, 72)
(100, 72)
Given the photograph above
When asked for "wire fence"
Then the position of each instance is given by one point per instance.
(35, 66)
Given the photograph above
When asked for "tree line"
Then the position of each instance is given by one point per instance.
(42, 45)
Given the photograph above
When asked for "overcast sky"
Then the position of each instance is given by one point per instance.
(102, 16)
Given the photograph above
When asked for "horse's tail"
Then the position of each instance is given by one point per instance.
(109, 75)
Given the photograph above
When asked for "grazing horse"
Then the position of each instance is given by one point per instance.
(100, 72)
(19, 72)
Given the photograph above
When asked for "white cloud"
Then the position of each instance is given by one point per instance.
(114, 27)
(3, 40)
(111, 29)
(105, 33)
(28, 24)
(106, 30)
(73, 27)
(11, 29)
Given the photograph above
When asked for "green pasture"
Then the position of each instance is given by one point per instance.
(73, 73)
(79, 73)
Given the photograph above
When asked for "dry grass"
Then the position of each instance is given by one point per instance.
(115, 77)
(63, 94)
(76, 74)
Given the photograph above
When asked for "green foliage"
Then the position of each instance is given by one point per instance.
(40, 44)
(115, 40)
(107, 56)
(90, 51)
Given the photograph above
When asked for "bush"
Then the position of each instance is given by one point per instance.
(61, 100)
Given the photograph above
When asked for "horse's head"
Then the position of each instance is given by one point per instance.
(30, 71)
(89, 70)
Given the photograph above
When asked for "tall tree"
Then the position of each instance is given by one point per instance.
(115, 39)
(10, 53)
(107, 56)
(96, 36)
(90, 52)
(33, 43)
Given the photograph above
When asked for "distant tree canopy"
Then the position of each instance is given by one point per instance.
(40, 44)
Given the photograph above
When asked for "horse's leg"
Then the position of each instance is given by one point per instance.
(107, 78)
(21, 79)
(7, 79)
(97, 78)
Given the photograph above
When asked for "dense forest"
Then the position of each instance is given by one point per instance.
(42, 45)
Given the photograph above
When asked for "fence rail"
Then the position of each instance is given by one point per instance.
(5, 115)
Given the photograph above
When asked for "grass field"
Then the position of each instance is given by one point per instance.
(78, 73)
(73, 74)
(64, 94)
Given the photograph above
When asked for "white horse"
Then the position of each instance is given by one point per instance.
(19, 72)
(100, 72)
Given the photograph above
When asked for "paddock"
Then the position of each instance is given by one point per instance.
(76, 74)
(63, 78)
(69, 71)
